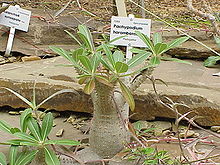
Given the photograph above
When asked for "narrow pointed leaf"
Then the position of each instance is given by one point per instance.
(72, 36)
(47, 125)
(177, 42)
(106, 64)
(104, 80)
(176, 60)
(83, 80)
(138, 59)
(13, 154)
(26, 157)
(157, 38)
(211, 61)
(34, 128)
(146, 40)
(86, 63)
(89, 87)
(57, 93)
(118, 56)
(63, 142)
(138, 51)
(19, 96)
(5, 127)
(127, 95)
(14, 130)
(2, 159)
(155, 60)
(160, 48)
(121, 67)
(50, 157)
(84, 31)
(96, 61)
(117, 38)
(23, 119)
(109, 54)
(25, 137)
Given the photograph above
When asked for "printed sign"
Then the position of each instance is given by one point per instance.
(124, 26)
(16, 17)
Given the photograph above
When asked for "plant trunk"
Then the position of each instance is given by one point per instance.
(108, 132)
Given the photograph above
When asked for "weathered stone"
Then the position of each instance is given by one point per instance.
(215, 128)
(192, 85)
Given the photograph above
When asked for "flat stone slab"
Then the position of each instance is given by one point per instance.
(192, 85)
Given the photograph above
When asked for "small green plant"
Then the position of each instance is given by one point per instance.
(16, 157)
(34, 133)
(212, 60)
(149, 156)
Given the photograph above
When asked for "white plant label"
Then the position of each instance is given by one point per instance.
(125, 26)
(16, 17)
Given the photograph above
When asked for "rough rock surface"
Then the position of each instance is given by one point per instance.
(192, 85)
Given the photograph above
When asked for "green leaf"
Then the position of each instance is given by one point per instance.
(106, 64)
(117, 38)
(25, 157)
(118, 56)
(104, 80)
(155, 60)
(138, 59)
(23, 119)
(138, 51)
(86, 63)
(157, 38)
(217, 40)
(211, 61)
(47, 125)
(176, 42)
(13, 154)
(109, 54)
(86, 36)
(176, 60)
(34, 128)
(63, 53)
(2, 159)
(127, 95)
(89, 87)
(121, 67)
(96, 61)
(72, 36)
(5, 127)
(160, 48)
(146, 40)
(20, 97)
(25, 137)
(83, 79)
(63, 142)
(57, 93)
(50, 157)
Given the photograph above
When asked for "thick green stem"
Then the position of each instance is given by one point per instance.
(108, 131)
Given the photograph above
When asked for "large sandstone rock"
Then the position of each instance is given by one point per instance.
(192, 85)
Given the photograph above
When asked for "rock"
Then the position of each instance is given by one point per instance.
(13, 113)
(60, 133)
(215, 128)
(12, 59)
(30, 58)
(192, 85)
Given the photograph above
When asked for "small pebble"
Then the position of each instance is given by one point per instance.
(60, 133)
(215, 128)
